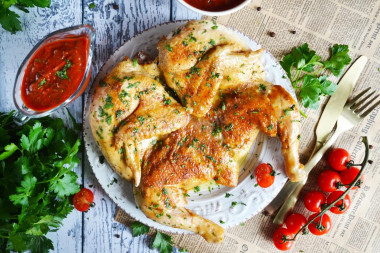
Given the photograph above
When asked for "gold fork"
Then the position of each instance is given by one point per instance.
(353, 113)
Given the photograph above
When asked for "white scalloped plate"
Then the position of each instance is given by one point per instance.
(211, 205)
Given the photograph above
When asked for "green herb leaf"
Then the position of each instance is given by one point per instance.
(163, 242)
(139, 229)
(339, 58)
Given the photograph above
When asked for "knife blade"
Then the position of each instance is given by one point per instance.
(326, 123)
(334, 106)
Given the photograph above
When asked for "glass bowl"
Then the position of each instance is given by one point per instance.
(72, 32)
(215, 13)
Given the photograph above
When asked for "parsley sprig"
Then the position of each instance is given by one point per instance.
(303, 67)
(9, 19)
(36, 178)
(162, 241)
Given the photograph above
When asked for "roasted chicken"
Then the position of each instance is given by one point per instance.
(173, 148)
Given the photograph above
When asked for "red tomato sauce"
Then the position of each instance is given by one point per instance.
(54, 73)
(214, 5)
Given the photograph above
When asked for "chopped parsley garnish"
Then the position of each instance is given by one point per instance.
(194, 70)
(141, 119)
(287, 110)
(211, 158)
(270, 127)
(63, 72)
(167, 101)
(109, 120)
(109, 103)
(43, 81)
(262, 87)
(91, 6)
(119, 113)
(228, 195)
(212, 42)
(214, 75)
(169, 48)
(216, 130)
(229, 127)
(135, 62)
(197, 188)
(164, 191)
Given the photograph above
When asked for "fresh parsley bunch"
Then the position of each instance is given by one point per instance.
(9, 19)
(36, 178)
(303, 67)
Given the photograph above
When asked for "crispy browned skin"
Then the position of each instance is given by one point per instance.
(131, 109)
(199, 60)
(210, 147)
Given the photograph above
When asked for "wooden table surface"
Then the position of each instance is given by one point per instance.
(115, 21)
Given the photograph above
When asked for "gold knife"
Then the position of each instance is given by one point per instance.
(325, 125)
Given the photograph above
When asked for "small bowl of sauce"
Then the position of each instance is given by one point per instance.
(214, 7)
(55, 72)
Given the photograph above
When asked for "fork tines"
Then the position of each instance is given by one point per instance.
(358, 107)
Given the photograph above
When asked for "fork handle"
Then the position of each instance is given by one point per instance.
(296, 187)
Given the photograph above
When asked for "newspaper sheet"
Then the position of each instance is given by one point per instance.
(320, 23)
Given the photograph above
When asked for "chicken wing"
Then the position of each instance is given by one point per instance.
(130, 110)
(201, 58)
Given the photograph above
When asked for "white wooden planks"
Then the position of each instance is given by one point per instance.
(114, 22)
(13, 49)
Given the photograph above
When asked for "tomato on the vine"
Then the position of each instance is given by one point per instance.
(342, 205)
(265, 175)
(280, 237)
(329, 180)
(295, 222)
(349, 175)
(319, 226)
(83, 199)
(338, 158)
(314, 200)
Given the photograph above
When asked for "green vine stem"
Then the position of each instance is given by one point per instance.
(363, 164)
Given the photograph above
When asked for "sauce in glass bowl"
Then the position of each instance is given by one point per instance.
(54, 73)
(214, 5)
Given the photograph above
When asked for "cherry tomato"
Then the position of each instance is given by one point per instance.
(83, 199)
(319, 229)
(279, 237)
(295, 222)
(314, 200)
(338, 158)
(349, 175)
(328, 180)
(264, 175)
(341, 206)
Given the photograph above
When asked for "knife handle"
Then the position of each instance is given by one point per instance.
(297, 186)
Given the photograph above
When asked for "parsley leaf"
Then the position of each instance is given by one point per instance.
(300, 66)
(139, 229)
(339, 58)
(163, 242)
(9, 20)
